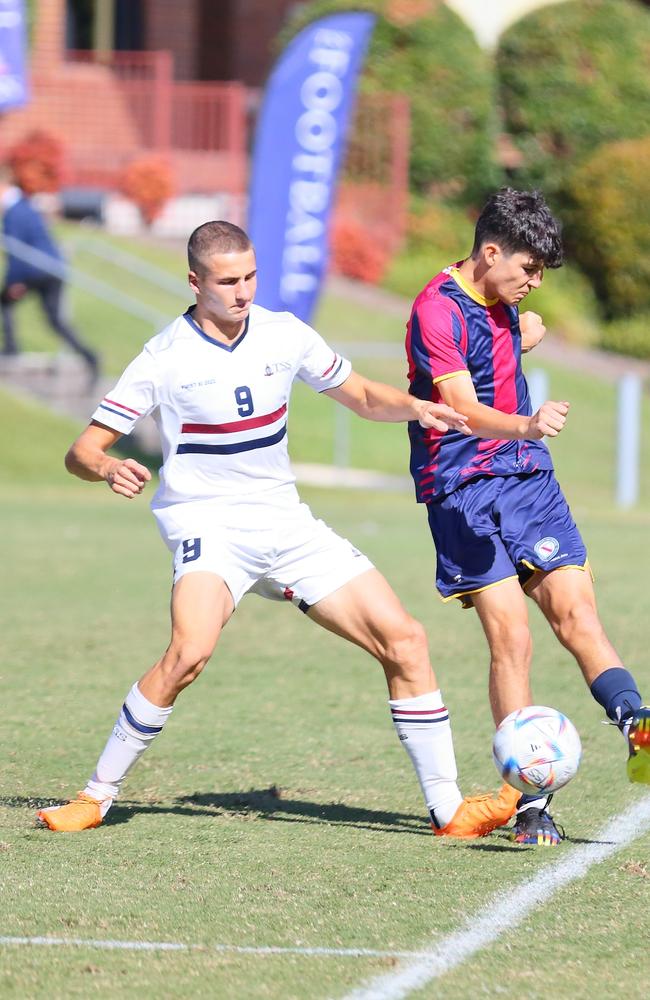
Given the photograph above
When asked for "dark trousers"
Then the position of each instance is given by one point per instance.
(50, 292)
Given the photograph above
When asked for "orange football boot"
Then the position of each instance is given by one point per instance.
(478, 815)
(83, 813)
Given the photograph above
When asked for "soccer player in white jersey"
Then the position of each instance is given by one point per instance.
(217, 381)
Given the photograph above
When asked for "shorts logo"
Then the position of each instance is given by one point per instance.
(546, 548)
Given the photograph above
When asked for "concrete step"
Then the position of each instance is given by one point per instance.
(62, 382)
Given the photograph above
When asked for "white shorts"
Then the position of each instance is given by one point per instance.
(278, 552)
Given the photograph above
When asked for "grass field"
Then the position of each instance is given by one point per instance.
(278, 809)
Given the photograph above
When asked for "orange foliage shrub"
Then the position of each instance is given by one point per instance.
(149, 182)
(356, 253)
(37, 161)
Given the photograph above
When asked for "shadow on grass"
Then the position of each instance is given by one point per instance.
(505, 846)
(272, 804)
(265, 804)
(509, 846)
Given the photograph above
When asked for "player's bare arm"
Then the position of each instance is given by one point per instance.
(378, 401)
(488, 422)
(88, 459)
(532, 330)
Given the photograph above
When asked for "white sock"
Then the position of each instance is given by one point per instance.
(138, 723)
(423, 726)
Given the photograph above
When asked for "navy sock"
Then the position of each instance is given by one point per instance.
(615, 689)
(540, 801)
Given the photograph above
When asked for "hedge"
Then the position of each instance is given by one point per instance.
(608, 230)
(421, 48)
(571, 77)
(628, 336)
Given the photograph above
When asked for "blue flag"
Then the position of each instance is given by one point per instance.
(298, 148)
(13, 87)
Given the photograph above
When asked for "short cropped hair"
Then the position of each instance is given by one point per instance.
(215, 237)
(520, 222)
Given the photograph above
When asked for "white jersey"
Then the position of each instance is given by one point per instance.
(222, 410)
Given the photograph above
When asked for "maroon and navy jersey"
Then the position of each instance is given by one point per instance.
(453, 329)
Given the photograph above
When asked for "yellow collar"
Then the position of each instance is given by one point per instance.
(469, 290)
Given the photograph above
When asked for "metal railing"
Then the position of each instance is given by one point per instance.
(134, 265)
(168, 113)
(628, 421)
(628, 424)
(95, 286)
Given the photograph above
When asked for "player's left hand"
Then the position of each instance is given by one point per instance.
(442, 417)
(532, 330)
(548, 421)
(15, 291)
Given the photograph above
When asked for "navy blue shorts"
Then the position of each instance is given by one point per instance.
(496, 528)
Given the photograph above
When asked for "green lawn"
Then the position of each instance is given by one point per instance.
(278, 808)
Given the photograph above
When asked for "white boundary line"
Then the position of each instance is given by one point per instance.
(108, 945)
(507, 909)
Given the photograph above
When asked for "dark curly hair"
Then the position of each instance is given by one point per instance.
(520, 222)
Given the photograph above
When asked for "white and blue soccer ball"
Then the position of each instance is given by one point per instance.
(536, 749)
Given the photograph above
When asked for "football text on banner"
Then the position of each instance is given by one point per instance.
(298, 147)
(13, 87)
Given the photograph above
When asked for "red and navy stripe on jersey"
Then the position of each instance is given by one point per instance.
(453, 329)
(203, 447)
(112, 406)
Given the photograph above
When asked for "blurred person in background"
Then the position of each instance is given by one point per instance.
(22, 221)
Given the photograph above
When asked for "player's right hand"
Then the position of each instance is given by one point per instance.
(548, 421)
(441, 417)
(127, 478)
(532, 330)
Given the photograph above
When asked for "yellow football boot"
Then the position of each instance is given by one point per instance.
(638, 763)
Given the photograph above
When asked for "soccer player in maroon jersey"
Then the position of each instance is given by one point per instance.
(501, 525)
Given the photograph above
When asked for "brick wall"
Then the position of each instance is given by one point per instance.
(209, 39)
(174, 25)
(255, 25)
(48, 47)
(76, 103)
(217, 39)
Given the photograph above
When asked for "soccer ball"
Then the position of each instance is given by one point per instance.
(536, 749)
